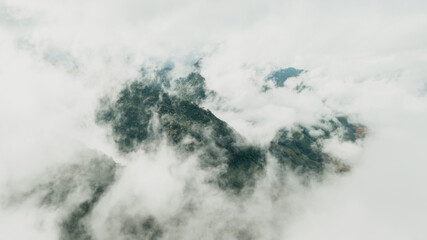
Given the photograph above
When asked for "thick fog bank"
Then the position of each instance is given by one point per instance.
(213, 120)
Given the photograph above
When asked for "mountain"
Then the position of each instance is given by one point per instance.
(301, 147)
(142, 114)
(156, 108)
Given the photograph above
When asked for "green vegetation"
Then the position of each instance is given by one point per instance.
(192, 88)
(300, 150)
(138, 105)
(93, 176)
(143, 113)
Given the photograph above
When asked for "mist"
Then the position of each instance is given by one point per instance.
(65, 63)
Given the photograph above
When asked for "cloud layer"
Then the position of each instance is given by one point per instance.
(364, 59)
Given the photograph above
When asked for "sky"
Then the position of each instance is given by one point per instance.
(365, 59)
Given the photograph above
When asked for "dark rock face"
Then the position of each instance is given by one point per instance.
(187, 126)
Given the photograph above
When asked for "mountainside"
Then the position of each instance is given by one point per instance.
(213, 120)
(158, 108)
(143, 112)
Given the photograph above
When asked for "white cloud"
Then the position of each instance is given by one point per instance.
(364, 58)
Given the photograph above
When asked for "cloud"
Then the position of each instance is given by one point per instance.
(365, 59)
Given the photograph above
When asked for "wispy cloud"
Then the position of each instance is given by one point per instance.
(363, 59)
